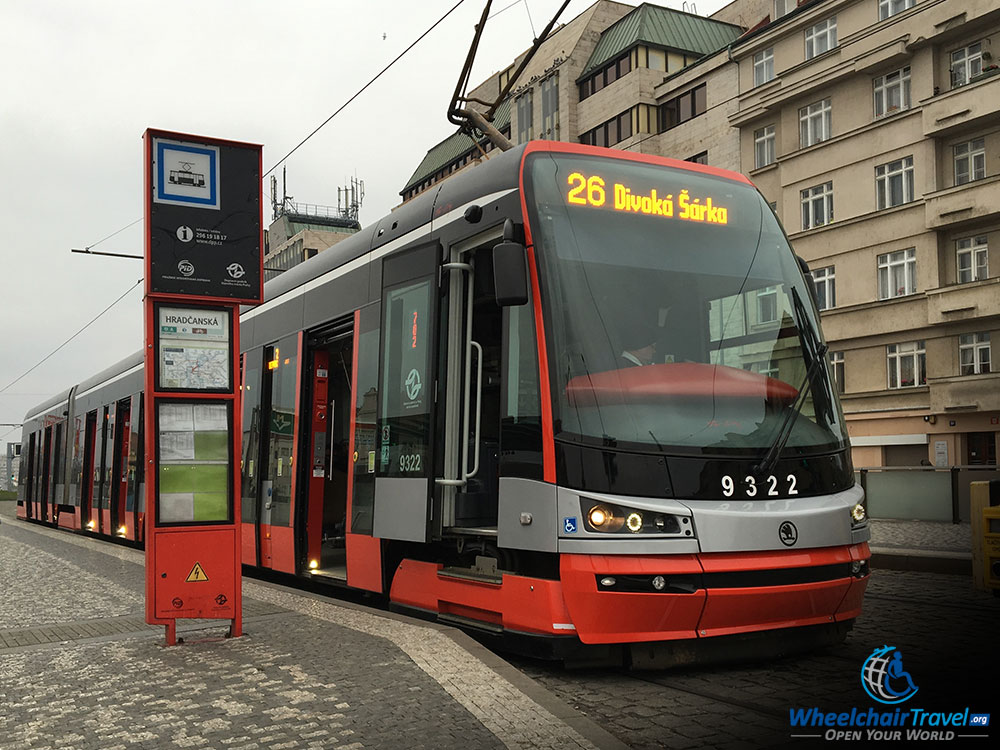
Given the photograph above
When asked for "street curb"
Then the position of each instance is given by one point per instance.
(920, 561)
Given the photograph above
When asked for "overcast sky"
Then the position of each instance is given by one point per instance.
(82, 80)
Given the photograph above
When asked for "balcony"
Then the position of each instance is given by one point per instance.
(964, 107)
(963, 204)
(977, 299)
(965, 393)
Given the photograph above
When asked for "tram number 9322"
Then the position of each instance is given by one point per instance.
(750, 488)
(410, 463)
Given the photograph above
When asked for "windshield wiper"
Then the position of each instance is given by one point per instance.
(785, 431)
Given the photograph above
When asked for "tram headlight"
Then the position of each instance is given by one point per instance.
(604, 518)
(91, 525)
(122, 530)
(634, 522)
(858, 514)
(313, 565)
(608, 518)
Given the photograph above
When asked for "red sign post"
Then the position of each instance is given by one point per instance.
(204, 258)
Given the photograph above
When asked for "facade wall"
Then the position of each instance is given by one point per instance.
(934, 219)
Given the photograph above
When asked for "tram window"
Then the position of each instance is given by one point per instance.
(406, 383)
(76, 469)
(365, 422)
(283, 366)
(108, 456)
(251, 433)
(521, 425)
(59, 465)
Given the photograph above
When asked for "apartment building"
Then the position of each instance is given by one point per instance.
(593, 80)
(873, 129)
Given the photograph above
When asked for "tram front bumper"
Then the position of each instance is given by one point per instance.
(641, 598)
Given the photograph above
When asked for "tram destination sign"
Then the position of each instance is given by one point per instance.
(203, 209)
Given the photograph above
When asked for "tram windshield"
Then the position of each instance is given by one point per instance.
(677, 318)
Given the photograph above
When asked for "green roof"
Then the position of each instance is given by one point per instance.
(661, 27)
(453, 147)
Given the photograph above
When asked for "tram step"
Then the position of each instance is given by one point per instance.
(468, 622)
(470, 574)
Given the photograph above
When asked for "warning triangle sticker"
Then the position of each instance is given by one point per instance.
(197, 574)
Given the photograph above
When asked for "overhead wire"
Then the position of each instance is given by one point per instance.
(340, 109)
(53, 352)
(365, 87)
(277, 164)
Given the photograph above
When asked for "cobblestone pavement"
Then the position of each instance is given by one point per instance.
(79, 669)
(946, 632)
(926, 536)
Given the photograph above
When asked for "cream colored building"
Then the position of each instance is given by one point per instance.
(873, 128)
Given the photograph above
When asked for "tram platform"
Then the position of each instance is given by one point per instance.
(79, 668)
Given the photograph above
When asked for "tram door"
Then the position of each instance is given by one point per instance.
(30, 489)
(107, 470)
(56, 472)
(120, 468)
(329, 398)
(278, 457)
(469, 495)
(88, 478)
(46, 474)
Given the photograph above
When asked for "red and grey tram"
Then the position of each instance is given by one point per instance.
(573, 400)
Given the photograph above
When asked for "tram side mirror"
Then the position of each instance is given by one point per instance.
(510, 274)
(810, 281)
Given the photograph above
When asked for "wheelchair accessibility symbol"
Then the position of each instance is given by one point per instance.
(569, 524)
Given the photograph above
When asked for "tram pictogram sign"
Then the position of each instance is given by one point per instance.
(204, 257)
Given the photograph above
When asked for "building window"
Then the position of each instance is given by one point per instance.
(612, 131)
(888, 8)
(605, 76)
(970, 161)
(907, 364)
(974, 353)
(763, 147)
(897, 274)
(763, 66)
(837, 368)
(815, 123)
(817, 205)
(767, 304)
(894, 182)
(657, 59)
(525, 117)
(821, 38)
(892, 92)
(701, 158)
(973, 255)
(550, 107)
(682, 108)
(767, 367)
(782, 7)
(966, 63)
(826, 287)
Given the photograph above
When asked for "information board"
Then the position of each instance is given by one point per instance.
(194, 463)
(204, 222)
(193, 349)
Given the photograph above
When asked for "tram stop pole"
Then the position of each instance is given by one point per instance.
(204, 258)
